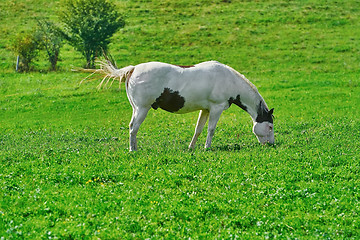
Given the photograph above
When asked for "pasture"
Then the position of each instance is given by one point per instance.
(65, 167)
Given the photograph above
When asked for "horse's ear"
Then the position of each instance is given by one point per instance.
(271, 111)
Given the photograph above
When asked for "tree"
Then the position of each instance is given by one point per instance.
(51, 40)
(89, 25)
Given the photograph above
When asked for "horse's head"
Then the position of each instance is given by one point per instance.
(264, 132)
(264, 127)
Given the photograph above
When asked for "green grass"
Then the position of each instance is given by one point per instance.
(65, 169)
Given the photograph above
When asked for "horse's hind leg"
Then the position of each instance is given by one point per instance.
(203, 116)
(139, 115)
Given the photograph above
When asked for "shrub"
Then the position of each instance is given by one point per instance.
(89, 25)
(26, 46)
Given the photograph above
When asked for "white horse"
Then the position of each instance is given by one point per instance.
(210, 87)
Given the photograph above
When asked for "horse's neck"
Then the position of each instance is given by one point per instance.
(251, 98)
(253, 104)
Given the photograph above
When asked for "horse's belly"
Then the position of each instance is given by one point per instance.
(190, 108)
(175, 102)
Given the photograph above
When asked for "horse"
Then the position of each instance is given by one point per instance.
(210, 87)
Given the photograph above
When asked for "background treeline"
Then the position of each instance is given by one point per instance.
(85, 25)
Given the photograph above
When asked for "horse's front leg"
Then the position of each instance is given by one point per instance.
(214, 116)
(203, 116)
(139, 115)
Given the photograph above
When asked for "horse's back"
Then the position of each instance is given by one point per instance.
(150, 67)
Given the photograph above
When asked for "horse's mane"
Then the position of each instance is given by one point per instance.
(243, 78)
(262, 101)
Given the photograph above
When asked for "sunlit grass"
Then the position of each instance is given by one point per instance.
(66, 171)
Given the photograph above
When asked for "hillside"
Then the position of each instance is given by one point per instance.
(249, 35)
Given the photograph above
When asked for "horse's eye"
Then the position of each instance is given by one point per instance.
(270, 128)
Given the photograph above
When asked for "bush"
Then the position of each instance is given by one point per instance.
(26, 46)
(89, 25)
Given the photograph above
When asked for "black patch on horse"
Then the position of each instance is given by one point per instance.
(237, 102)
(169, 100)
(263, 114)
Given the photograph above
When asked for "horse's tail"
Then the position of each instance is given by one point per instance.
(110, 72)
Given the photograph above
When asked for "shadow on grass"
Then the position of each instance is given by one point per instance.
(232, 147)
(238, 147)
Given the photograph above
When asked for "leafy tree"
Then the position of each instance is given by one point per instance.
(89, 25)
(26, 46)
(52, 41)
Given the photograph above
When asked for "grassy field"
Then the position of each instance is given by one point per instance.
(65, 169)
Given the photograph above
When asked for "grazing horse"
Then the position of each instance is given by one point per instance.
(210, 87)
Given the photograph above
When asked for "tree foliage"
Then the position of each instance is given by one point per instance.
(52, 41)
(26, 46)
(89, 25)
